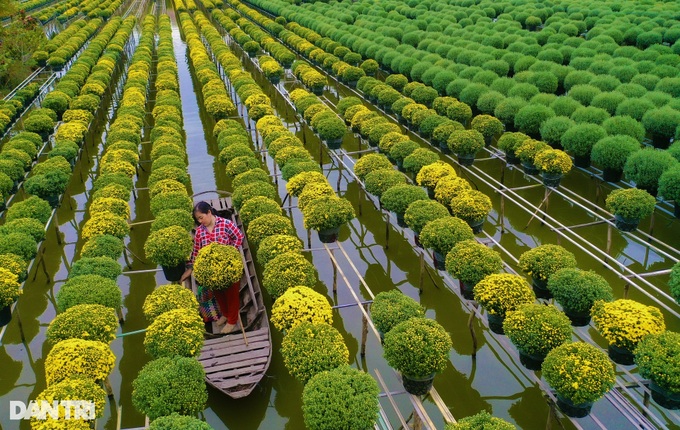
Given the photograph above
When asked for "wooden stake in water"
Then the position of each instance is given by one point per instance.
(364, 330)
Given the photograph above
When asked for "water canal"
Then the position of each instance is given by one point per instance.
(494, 380)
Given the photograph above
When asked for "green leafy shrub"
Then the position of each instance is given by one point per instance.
(89, 289)
(646, 166)
(309, 349)
(613, 151)
(417, 347)
(168, 385)
(631, 203)
(580, 139)
(577, 290)
(470, 261)
(102, 266)
(340, 397)
(288, 270)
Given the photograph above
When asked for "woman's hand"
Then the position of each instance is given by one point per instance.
(187, 273)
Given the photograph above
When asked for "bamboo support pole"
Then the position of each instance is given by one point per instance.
(364, 331)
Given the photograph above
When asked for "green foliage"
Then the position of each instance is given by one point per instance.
(613, 151)
(179, 422)
(480, 421)
(286, 270)
(398, 198)
(471, 261)
(340, 398)
(32, 207)
(669, 184)
(580, 139)
(103, 246)
(102, 266)
(645, 167)
(168, 385)
(577, 290)
(417, 347)
(89, 289)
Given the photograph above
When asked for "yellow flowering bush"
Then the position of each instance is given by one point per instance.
(218, 266)
(166, 298)
(327, 212)
(273, 246)
(118, 167)
(369, 163)
(9, 287)
(105, 223)
(314, 191)
(114, 205)
(418, 347)
(631, 203)
(257, 206)
(579, 372)
(625, 322)
(175, 332)
(544, 260)
(392, 307)
(308, 349)
(300, 304)
(73, 131)
(76, 387)
(471, 205)
(448, 188)
(431, 174)
(288, 270)
(70, 357)
(169, 247)
(298, 182)
(553, 161)
(500, 293)
(268, 225)
(88, 322)
(15, 265)
(537, 329)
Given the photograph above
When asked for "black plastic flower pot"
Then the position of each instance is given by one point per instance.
(612, 175)
(173, 274)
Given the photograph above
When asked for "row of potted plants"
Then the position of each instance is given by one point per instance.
(67, 47)
(81, 359)
(169, 243)
(50, 45)
(31, 215)
(278, 250)
(555, 162)
(12, 109)
(174, 337)
(215, 98)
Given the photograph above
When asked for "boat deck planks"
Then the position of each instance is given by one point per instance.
(231, 364)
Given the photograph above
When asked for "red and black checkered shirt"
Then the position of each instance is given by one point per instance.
(224, 232)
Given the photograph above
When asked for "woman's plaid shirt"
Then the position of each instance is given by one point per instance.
(224, 232)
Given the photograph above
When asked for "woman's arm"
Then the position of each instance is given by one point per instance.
(235, 235)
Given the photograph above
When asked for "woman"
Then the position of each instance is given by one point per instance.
(212, 228)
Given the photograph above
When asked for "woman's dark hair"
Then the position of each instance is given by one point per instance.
(204, 208)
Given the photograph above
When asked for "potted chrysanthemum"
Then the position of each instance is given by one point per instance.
(419, 349)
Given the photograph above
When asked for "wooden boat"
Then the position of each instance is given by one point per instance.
(235, 363)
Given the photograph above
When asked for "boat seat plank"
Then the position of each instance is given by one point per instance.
(250, 370)
(241, 359)
(231, 383)
(227, 351)
(254, 335)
